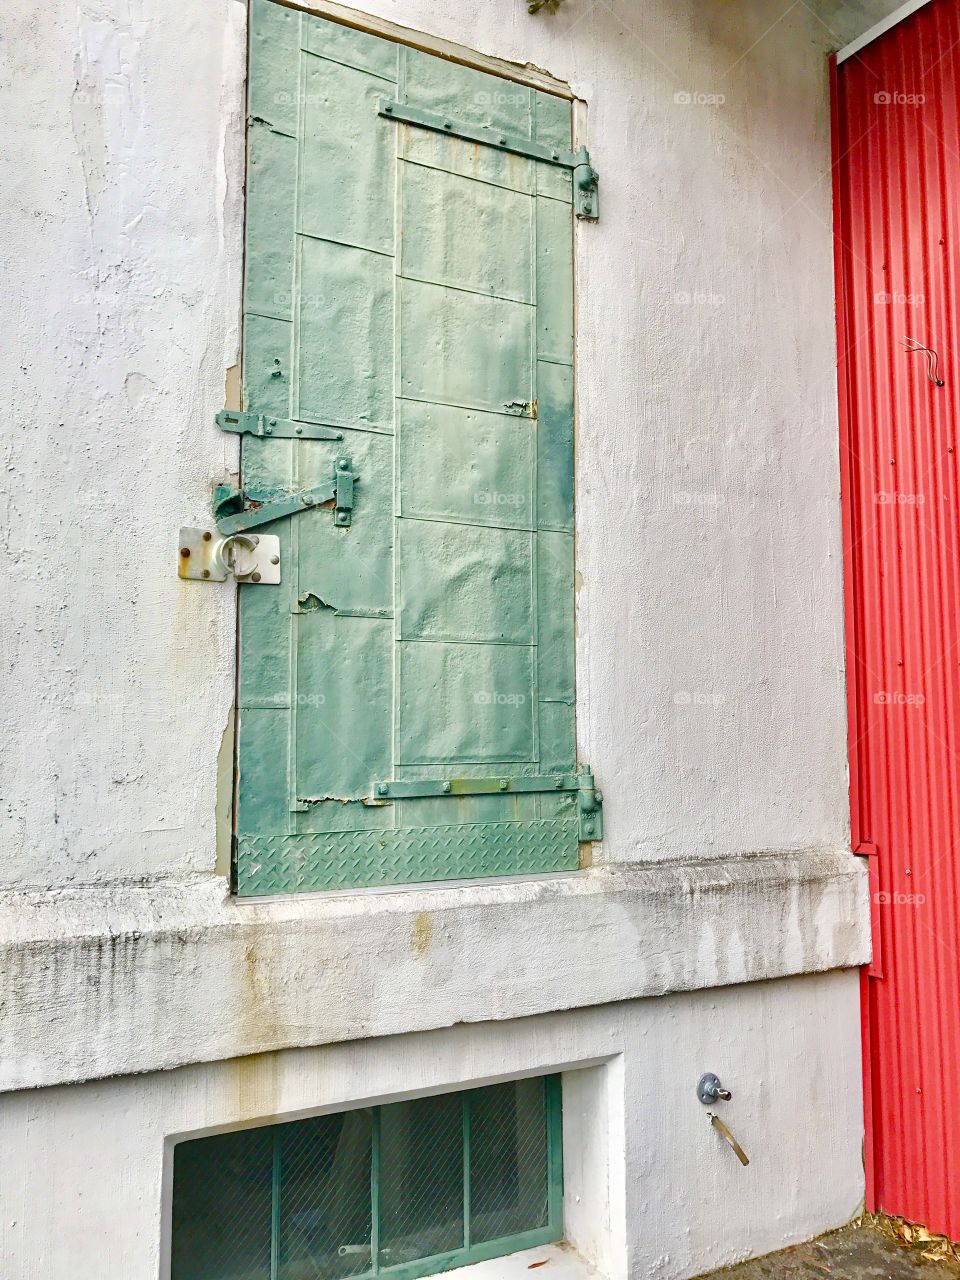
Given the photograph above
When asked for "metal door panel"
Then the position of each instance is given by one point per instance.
(461, 464)
(465, 582)
(412, 290)
(466, 703)
(467, 234)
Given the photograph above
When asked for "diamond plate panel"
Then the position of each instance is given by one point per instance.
(358, 859)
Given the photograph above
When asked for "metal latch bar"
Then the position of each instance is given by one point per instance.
(589, 799)
(585, 178)
(338, 490)
(277, 508)
(422, 787)
(264, 425)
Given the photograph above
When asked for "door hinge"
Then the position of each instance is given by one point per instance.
(867, 849)
(589, 804)
(586, 200)
(586, 182)
(264, 425)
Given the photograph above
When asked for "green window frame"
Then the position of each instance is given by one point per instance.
(401, 1190)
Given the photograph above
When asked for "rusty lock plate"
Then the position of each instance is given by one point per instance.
(206, 556)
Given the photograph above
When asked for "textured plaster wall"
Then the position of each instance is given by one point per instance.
(121, 246)
(710, 631)
(655, 1192)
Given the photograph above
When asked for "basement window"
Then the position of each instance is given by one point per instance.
(401, 1190)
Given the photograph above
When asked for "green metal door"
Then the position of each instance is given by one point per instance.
(406, 695)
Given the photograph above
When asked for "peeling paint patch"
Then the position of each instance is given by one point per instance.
(310, 602)
(232, 392)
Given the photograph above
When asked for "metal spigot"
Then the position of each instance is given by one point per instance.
(710, 1090)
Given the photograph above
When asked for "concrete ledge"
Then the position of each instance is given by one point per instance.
(120, 979)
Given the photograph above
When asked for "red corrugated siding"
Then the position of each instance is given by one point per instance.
(897, 184)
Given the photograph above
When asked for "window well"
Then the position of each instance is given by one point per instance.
(402, 1190)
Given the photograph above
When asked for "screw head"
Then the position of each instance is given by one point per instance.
(343, 464)
(383, 789)
(206, 573)
(255, 577)
(588, 828)
(185, 552)
(207, 536)
(448, 124)
(299, 431)
(504, 784)
(273, 422)
(446, 786)
(388, 109)
(274, 559)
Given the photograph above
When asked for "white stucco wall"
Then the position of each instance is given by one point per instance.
(654, 1193)
(710, 693)
(710, 681)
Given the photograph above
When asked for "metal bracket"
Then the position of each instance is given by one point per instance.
(586, 195)
(586, 203)
(589, 799)
(263, 426)
(337, 490)
(211, 557)
(344, 478)
(591, 813)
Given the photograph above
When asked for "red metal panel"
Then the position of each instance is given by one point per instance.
(897, 188)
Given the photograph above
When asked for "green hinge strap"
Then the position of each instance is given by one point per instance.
(589, 799)
(264, 425)
(586, 197)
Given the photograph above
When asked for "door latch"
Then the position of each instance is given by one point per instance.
(236, 511)
(212, 557)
